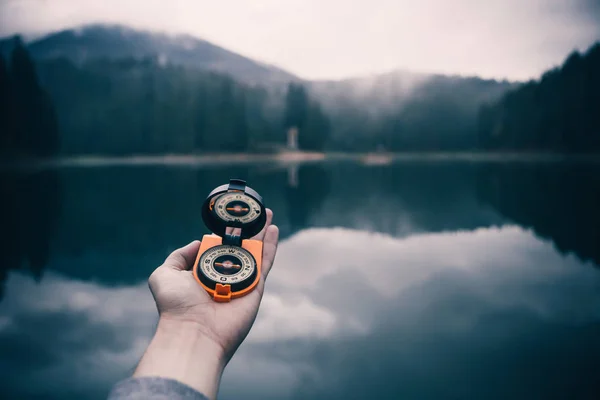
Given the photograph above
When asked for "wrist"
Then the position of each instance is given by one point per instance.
(180, 350)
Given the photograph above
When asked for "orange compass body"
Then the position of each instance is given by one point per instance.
(228, 265)
(222, 292)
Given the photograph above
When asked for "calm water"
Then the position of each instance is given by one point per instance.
(412, 281)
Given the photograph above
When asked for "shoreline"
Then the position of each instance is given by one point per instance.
(291, 158)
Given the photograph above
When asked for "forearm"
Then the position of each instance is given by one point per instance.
(179, 351)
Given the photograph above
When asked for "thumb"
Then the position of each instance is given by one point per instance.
(183, 258)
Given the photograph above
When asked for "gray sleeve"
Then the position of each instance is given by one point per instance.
(151, 388)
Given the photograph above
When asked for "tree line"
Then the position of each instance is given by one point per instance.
(143, 106)
(28, 122)
(134, 106)
(441, 115)
(307, 115)
(560, 112)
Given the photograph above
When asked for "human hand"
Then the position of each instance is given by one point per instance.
(194, 332)
(179, 297)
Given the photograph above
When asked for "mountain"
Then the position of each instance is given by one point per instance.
(404, 110)
(386, 92)
(118, 69)
(92, 42)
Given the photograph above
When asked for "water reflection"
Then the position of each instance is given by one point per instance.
(412, 281)
(560, 202)
(138, 215)
(307, 188)
(29, 210)
(69, 339)
(492, 313)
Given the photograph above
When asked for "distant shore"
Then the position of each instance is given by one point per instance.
(291, 158)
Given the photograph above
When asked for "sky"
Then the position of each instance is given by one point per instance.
(335, 39)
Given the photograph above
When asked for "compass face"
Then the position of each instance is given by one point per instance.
(227, 265)
(237, 207)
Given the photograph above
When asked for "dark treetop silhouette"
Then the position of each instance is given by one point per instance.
(558, 113)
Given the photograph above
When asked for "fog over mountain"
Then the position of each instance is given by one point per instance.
(399, 110)
(115, 42)
(335, 39)
(372, 109)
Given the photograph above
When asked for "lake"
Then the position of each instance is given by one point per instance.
(415, 280)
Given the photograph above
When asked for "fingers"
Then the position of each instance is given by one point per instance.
(184, 257)
(270, 244)
(261, 235)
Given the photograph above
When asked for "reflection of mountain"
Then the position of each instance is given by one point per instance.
(492, 314)
(559, 202)
(398, 199)
(122, 222)
(30, 208)
(306, 189)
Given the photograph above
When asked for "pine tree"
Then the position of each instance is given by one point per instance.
(36, 126)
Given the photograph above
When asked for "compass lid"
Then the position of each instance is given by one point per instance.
(234, 205)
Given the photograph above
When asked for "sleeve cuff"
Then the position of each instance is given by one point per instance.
(153, 388)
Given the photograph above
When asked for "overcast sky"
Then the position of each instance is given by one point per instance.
(330, 39)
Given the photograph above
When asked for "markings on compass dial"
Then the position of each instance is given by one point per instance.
(227, 264)
(237, 207)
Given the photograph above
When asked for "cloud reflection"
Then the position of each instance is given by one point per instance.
(347, 314)
(433, 308)
(69, 339)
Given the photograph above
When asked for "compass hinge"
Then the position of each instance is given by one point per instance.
(232, 240)
(237, 184)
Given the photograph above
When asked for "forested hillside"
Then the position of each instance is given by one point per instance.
(28, 125)
(116, 91)
(139, 106)
(559, 112)
(132, 106)
(116, 42)
(407, 112)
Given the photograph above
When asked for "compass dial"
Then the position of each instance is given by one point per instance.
(237, 207)
(228, 265)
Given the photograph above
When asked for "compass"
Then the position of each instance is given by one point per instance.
(236, 208)
(228, 263)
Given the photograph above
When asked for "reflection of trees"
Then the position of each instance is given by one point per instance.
(308, 186)
(131, 218)
(30, 200)
(559, 202)
(30, 208)
(405, 198)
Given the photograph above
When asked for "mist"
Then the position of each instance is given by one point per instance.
(328, 40)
